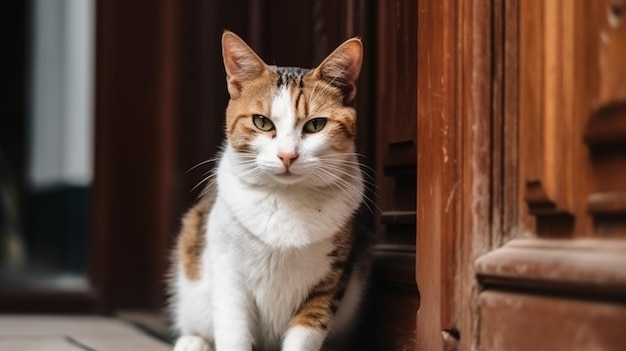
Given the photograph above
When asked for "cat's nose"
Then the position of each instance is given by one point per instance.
(288, 157)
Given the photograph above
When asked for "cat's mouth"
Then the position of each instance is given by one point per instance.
(288, 177)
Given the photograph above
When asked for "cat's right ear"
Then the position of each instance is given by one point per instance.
(240, 61)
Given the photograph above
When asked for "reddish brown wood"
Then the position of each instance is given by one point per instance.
(475, 122)
(607, 203)
(607, 126)
(556, 76)
(584, 267)
(437, 168)
(570, 163)
(525, 322)
(455, 160)
(510, 127)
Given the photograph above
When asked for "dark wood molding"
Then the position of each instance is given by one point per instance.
(607, 126)
(613, 203)
(393, 131)
(586, 267)
(394, 265)
(398, 217)
(401, 158)
(538, 201)
(551, 219)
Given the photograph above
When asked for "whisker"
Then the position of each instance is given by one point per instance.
(338, 184)
(334, 158)
(204, 180)
(339, 168)
(201, 163)
(351, 187)
(355, 167)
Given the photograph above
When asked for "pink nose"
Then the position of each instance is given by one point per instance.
(287, 157)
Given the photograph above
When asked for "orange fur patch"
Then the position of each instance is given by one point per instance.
(255, 98)
(191, 240)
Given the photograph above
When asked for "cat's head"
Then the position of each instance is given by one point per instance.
(288, 125)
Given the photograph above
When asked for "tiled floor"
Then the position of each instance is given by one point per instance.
(52, 333)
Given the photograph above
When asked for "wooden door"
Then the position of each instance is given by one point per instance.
(521, 163)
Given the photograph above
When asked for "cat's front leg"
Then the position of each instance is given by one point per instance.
(304, 338)
(309, 327)
(231, 304)
(191, 343)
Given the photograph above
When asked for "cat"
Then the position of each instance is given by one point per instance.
(269, 257)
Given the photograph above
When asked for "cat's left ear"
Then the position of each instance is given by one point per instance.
(240, 61)
(342, 67)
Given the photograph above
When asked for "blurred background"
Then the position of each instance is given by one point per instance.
(47, 145)
(108, 104)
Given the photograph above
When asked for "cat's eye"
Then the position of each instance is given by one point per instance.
(263, 123)
(315, 125)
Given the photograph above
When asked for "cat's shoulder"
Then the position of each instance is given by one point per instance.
(191, 240)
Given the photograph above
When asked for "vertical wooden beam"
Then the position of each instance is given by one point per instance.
(475, 119)
(455, 166)
(438, 168)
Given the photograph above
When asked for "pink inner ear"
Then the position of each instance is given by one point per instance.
(240, 61)
(344, 64)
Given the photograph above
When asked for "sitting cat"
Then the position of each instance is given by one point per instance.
(269, 258)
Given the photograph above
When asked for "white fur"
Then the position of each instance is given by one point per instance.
(191, 343)
(303, 339)
(268, 239)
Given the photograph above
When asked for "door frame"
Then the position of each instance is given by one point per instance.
(466, 106)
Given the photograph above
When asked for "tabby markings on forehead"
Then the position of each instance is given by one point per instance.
(291, 75)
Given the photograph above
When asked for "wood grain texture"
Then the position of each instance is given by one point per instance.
(475, 121)
(515, 322)
(456, 105)
(547, 116)
(438, 159)
(566, 293)
(571, 89)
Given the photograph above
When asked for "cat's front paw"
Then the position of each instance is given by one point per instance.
(191, 343)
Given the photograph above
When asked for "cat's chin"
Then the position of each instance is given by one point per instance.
(288, 178)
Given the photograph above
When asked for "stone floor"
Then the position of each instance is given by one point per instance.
(74, 333)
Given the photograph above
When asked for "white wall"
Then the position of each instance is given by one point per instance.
(62, 93)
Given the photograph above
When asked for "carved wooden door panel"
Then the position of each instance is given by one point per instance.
(569, 249)
(521, 175)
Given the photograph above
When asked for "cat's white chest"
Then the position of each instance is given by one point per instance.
(276, 280)
(279, 283)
